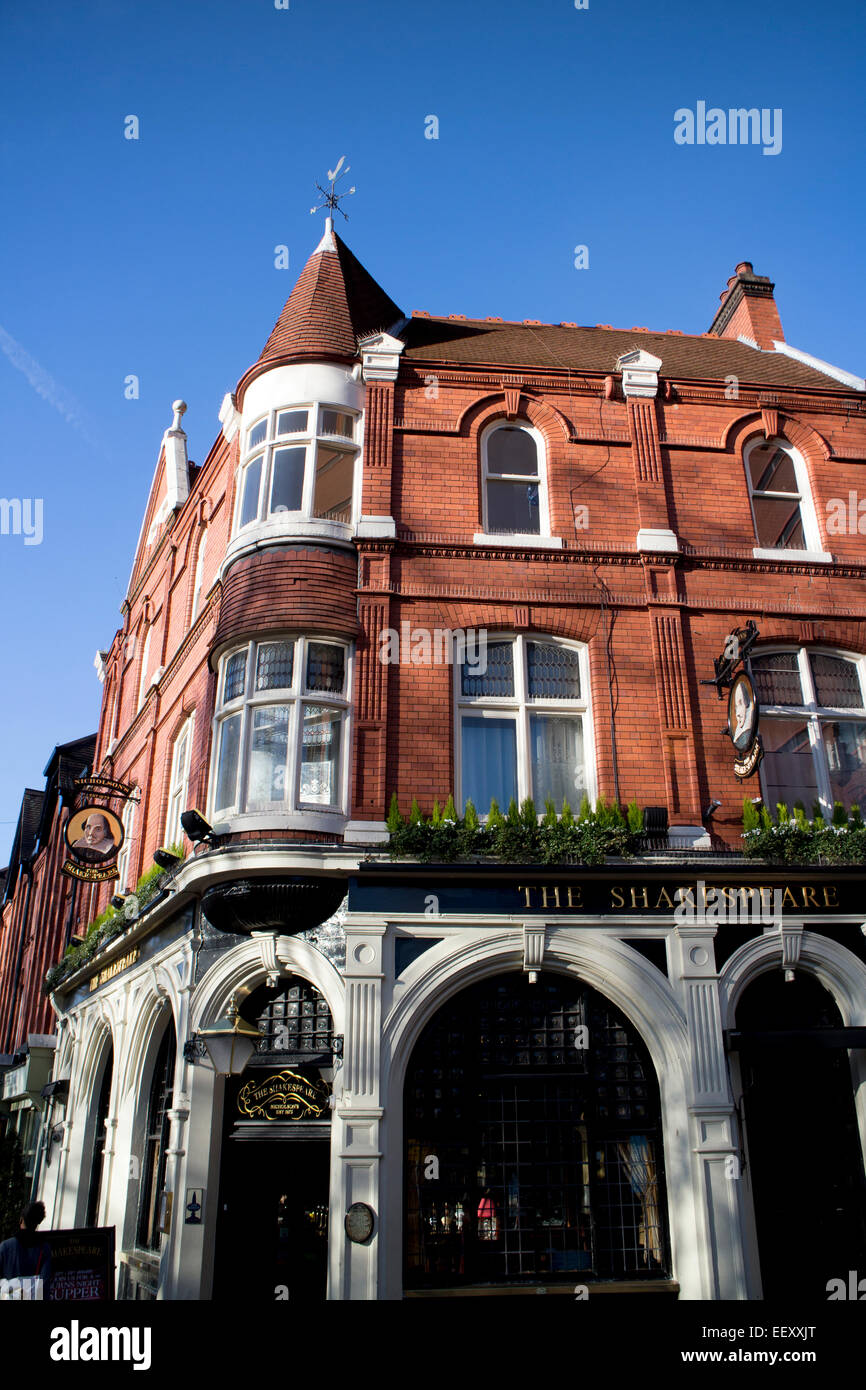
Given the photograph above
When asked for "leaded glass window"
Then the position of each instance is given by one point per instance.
(522, 726)
(541, 1105)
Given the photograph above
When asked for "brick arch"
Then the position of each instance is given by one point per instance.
(847, 636)
(483, 411)
(575, 625)
(812, 445)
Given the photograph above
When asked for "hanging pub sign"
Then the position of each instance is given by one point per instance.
(743, 712)
(283, 1095)
(93, 831)
(743, 706)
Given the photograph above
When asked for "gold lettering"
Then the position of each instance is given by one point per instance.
(788, 895)
(578, 889)
(809, 899)
(617, 901)
(830, 902)
(664, 899)
(525, 888)
(634, 893)
(544, 902)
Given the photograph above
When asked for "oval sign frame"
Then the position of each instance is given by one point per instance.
(750, 728)
(360, 1223)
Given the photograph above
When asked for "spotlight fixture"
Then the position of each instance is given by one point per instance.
(196, 827)
(165, 859)
(117, 901)
(712, 809)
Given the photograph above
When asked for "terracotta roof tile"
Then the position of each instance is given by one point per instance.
(334, 302)
(684, 356)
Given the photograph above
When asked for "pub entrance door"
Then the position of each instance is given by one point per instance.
(802, 1143)
(272, 1232)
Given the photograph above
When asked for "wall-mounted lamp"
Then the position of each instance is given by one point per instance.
(117, 902)
(166, 860)
(196, 827)
(231, 1041)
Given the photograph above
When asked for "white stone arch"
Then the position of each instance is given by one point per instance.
(837, 969)
(99, 1034)
(156, 991)
(617, 972)
(245, 967)
(841, 973)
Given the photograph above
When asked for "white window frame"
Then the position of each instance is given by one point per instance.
(198, 578)
(124, 858)
(292, 808)
(813, 714)
(309, 439)
(808, 516)
(178, 782)
(143, 685)
(543, 536)
(522, 706)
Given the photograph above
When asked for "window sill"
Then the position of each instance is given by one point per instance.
(519, 540)
(278, 530)
(813, 557)
(328, 821)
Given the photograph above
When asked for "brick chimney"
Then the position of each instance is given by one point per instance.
(748, 308)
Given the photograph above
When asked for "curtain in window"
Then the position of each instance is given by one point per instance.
(269, 751)
(557, 759)
(636, 1155)
(489, 761)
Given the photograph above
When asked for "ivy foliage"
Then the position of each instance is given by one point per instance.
(110, 923)
(794, 838)
(519, 835)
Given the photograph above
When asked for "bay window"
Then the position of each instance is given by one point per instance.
(523, 726)
(280, 735)
(298, 460)
(813, 727)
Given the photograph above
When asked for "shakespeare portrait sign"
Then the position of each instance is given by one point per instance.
(94, 831)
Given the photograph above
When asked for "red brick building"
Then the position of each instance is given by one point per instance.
(605, 506)
(41, 912)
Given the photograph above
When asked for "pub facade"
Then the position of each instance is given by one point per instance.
(448, 562)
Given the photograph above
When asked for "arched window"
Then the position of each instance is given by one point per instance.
(782, 511)
(156, 1142)
(523, 724)
(278, 750)
(124, 858)
(177, 789)
(533, 1141)
(99, 1140)
(298, 459)
(813, 727)
(145, 670)
(294, 1021)
(197, 579)
(514, 483)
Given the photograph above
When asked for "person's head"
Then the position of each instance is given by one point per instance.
(32, 1215)
(740, 704)
(96, 828)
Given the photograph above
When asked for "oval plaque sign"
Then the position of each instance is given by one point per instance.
(359, 1222)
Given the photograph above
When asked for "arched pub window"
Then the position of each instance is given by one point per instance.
(99, 1138)
(295, 1021)
(156, 1142)
(533, 1141)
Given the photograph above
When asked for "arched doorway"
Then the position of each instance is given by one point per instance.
(803, 1153)
(533, 1142)
(102, 1096)
(272, 1235)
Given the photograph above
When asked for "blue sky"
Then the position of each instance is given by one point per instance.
(155, 257)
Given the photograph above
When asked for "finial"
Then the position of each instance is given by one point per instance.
(332, 198)
(179, 408)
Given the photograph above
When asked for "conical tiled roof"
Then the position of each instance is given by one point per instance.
(335, 302)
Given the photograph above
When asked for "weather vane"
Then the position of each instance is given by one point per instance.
(332, 198)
